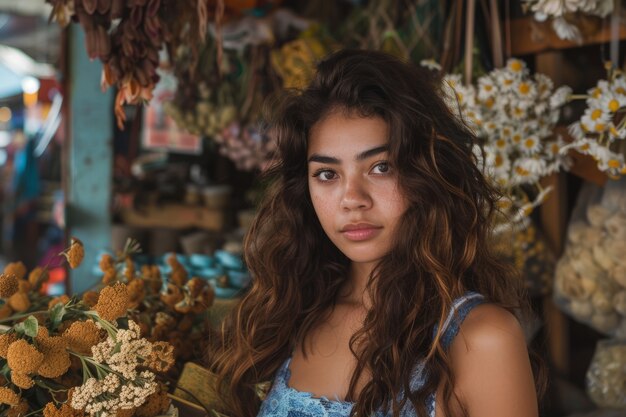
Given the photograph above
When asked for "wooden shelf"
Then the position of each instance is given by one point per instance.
(175, 216)
(533, 37)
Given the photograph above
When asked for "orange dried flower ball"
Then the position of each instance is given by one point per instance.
(110, 275)
(129, 271)
(37, 276)
(112, 302)
(82, 335)
(90, 298)
(8, 396)
(22, 357)
(24, 286)
(55, 364)
(56, 359)
(19, 410)
(19, 301)
(5, 311)
(156, 404)
(22, 380)
(16, 268)
(65, 411)
(161, 357)
(5, 340)
(106, 263)
(76, 253)
(62, 299)
(9, 284)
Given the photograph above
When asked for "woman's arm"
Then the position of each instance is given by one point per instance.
(491, 365)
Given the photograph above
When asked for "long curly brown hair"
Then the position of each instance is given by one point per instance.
(441, 253)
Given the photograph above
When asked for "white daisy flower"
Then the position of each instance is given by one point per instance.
(501, 144)
(530, 145)
(595, 120)
(619, 86)
(615, 133)
(611, 103)
(577, 131)
(566, 30)
(544, 86)
(582, 145)
(519, 112)
(528, 170)
(560, 96)
(516, 67)
(431, 64)
(608, 161)
(601, 88)
(486, 88)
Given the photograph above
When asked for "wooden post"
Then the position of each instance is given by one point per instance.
(553, 215)
(87, 157)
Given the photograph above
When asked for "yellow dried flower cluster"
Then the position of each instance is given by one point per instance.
(155, 405)
(23, 359)
(152, 274)
(75, 253)
(19, 410)
(113, 302)
(5, 340)
(9, 285)
(16, 268)
(62, 299)
(56, 360)
(161, 357)
(19, 301)
(129, 271)
(136, 292)
(107, 265)
(90, 298)
(37, 276)
(8, 396)
(65, 411)
(82, 335)
(179, 273)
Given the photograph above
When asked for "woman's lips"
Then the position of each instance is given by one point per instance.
(359, 233)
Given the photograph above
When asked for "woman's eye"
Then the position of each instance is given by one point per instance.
(325, 175)
(381, 168)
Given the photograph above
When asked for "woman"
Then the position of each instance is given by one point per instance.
(374, 290)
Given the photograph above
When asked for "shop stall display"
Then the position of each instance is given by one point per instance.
(194, 82)
(590, 276)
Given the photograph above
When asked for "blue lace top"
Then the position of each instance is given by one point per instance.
(284, 401)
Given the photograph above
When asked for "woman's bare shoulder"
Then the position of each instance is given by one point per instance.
(490, 361)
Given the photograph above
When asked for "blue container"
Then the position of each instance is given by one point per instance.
(238, 279)
(200, 261)
(209, 273)
(228, 260)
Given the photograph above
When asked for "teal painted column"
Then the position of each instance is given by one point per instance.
(88, 162)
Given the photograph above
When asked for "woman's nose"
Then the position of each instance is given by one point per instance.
(355, 196)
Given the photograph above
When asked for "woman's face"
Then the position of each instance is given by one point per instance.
(353, 188)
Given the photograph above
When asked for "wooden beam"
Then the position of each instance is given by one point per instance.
(532, 37)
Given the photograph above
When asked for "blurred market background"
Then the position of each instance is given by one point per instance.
(144, 119)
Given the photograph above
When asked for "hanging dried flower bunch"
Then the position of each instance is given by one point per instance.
(561, 11)
(127, 35)
(513, 114)
(601, 131)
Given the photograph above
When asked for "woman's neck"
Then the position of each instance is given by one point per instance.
(355, 290)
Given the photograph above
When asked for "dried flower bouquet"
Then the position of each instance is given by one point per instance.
(93, 355)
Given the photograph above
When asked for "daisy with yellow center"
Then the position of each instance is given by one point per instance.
(595, 120)
(516, 66)
(531, 145)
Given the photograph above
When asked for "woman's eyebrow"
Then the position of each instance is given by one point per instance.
(360, 157)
